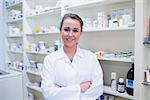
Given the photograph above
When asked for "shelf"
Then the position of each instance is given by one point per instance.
(108, 29)
(15, 21)
(146, 83)
(146, 44)
(35, 52)
(15, 36)
(15, 5)
(36, 88)
(17, 52)
(41, 33)
(34, 72)
(95, 3)
(52, 11)
(108, 90)
(129, 60)
(16, 69)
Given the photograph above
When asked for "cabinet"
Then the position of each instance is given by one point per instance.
(8, 83)
(40, 28)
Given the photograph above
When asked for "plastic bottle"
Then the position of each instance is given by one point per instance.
(113, 81)
(130, 81)
(121, 85)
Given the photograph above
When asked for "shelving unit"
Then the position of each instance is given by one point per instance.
(14, 38)
(116, 39)
(38, 32)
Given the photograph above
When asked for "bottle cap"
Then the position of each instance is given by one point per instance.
(121, 80)
(113, 75)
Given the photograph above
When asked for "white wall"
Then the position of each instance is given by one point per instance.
(1, 35)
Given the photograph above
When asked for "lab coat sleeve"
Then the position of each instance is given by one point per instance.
(50, 92)
(96, 88)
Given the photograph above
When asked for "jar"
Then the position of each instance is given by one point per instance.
(121, 85)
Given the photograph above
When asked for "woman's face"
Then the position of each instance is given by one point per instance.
(70, 32)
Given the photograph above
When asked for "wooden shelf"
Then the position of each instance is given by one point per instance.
(108, 90)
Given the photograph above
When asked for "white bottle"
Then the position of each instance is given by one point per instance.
(113, 83)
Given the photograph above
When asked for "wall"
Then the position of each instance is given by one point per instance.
(1, 36)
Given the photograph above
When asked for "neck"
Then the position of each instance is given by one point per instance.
(70, 52)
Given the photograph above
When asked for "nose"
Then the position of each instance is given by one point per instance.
(70, 33)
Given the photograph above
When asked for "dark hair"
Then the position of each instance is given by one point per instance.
(72, 16)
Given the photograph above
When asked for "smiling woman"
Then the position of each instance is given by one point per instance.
(71, 73)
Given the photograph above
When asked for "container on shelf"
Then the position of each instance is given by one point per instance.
(121, 85)
(57, 45)
(130, 81)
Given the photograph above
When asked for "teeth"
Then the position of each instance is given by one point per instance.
(69, 39)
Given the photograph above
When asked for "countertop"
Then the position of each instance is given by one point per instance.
(11, 73)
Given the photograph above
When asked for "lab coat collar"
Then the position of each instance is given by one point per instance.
(63, 55)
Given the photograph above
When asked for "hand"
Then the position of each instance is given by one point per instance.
(85, 86)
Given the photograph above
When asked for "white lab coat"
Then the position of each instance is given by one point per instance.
(58, 69)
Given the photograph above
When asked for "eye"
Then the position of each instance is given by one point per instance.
(67, 29)
(75, 30)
